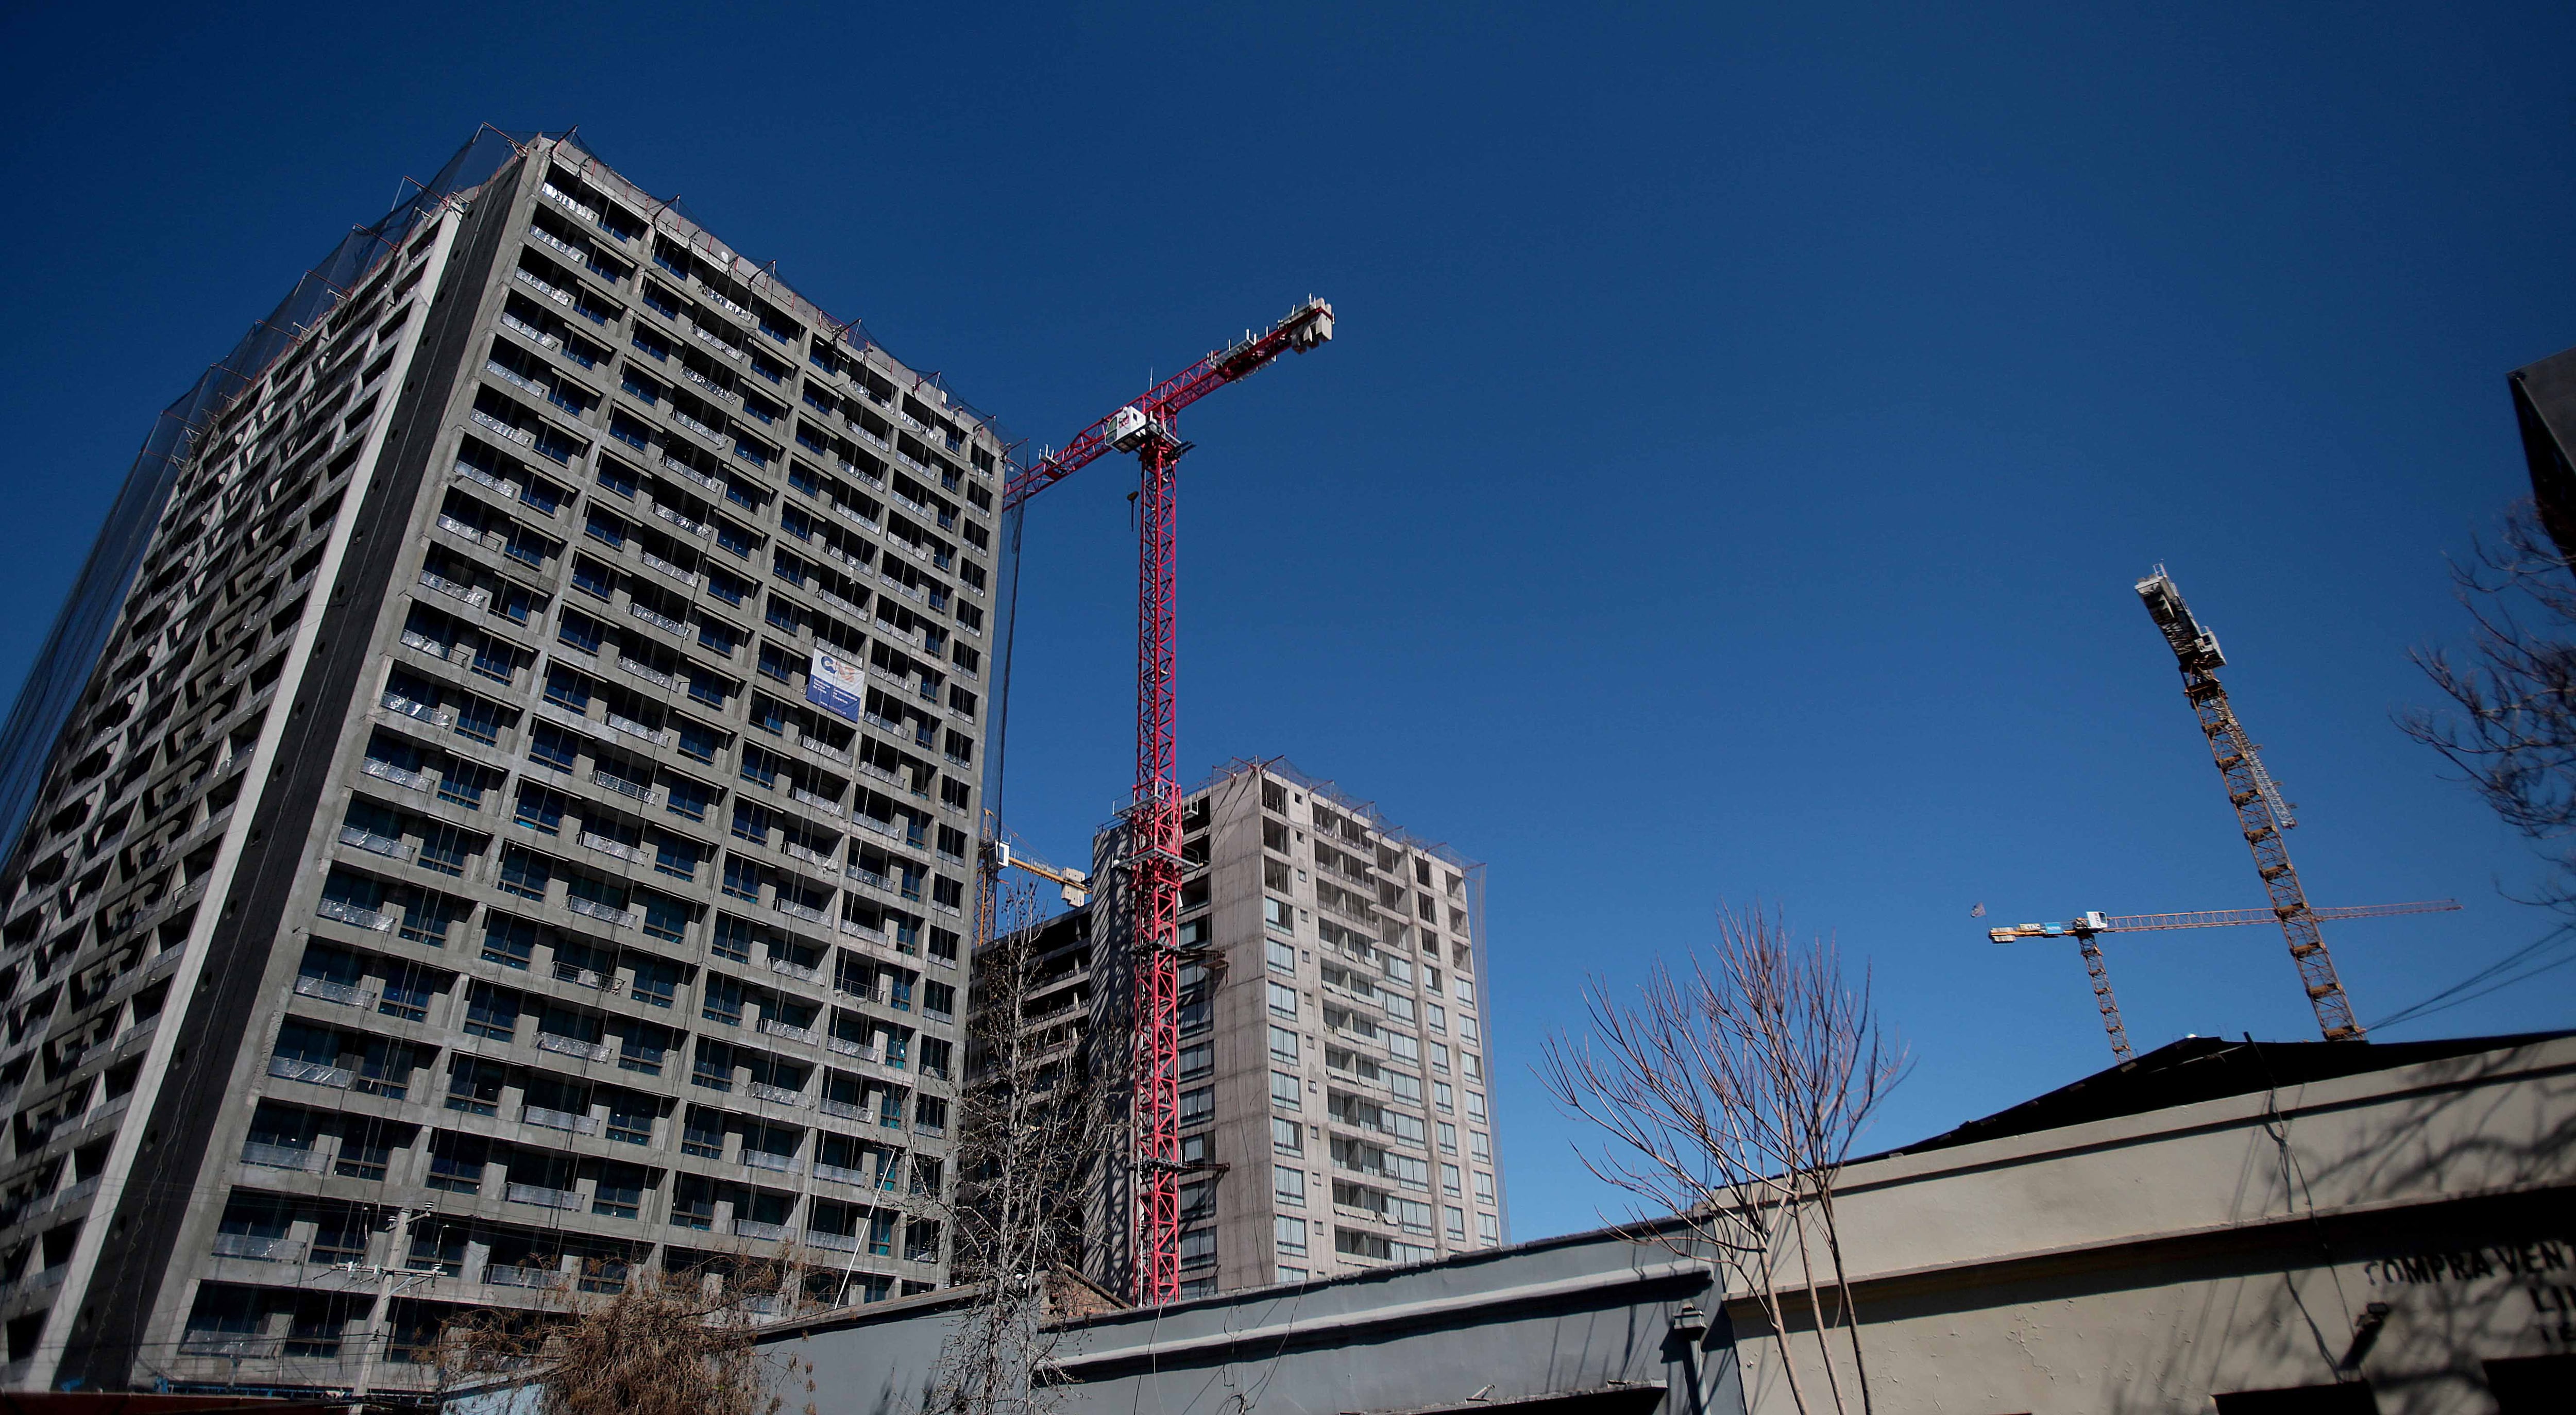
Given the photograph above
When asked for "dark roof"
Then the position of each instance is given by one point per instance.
(2206, 1069)
(2544, 405)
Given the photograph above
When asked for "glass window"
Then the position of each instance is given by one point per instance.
(1287, 1136)
(1290, 1233)
(1288, 1184)
(1278, 914)
(1456, 1220)
(1283, 1000)
(1283, 956)
(1283, 1043)
(1285, 1091)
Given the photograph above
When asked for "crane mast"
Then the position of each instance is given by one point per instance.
(2260, 811)
(1152, 861)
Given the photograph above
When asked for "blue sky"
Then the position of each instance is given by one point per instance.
(1742, 435)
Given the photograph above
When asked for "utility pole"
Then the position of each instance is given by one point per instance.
(395, 1264)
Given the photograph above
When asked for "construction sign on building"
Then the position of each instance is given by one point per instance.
(832, 684)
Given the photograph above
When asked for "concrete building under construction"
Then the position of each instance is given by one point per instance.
(497, 812)
(1336, 1108)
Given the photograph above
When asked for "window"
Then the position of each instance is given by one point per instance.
(1436, 1015)
(1475, 1105)
(1278, 915)
(1455, 1219)
(1484, 1187)
(1285, 1090)
(1480, 1145)
(1289, 1231)
(1465, 988)
(1287, 1136)
(551, 746)
(1283, 1000)
(1448, 1138)
(1449, 1179)
(1198, 1059)
(507, 941)
(1288, 1185)
(1198, 1247)
(1489, 1228)
(1283, 956)
(1198, 1106)
(1444, 1097)
(1283, 1044)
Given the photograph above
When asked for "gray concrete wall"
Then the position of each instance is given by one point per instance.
(2143, 1262)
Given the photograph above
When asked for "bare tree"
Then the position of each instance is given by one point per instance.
(1731, 1091)
(1027, 1136)
(682, 1343)
(2510, 725)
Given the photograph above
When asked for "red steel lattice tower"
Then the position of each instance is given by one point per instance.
(1153, 859)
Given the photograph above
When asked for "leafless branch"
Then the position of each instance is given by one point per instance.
(1729, 1094)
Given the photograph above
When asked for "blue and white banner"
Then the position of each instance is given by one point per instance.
(832, 684)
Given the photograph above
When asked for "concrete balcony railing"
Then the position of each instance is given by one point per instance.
(775, 1095)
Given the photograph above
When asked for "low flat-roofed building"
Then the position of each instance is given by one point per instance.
(2218, 1225)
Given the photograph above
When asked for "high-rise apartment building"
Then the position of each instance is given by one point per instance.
(497, 816)
(1335, 1068)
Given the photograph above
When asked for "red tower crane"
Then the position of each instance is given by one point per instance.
(1147, 428)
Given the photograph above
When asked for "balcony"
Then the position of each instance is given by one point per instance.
(387, 771)
(542, 1197)
(797, 971)
(518, 435)
(775, 1095)
(606, 913)
(258, 1249)
(658, 620)
(772, 1027)
(649, 674)
(530, 332)
(623, 787)
(775, 1164)
(508, 1275)
(369, 841)
(836, 1173)
(807, 913)
(346, 994)
(804, 797)
(632, 728)
(282, 1157)
(701, 429)
(354, 916)
(834, 1242)
(563, 1120)
(658, 564)
(468, 595)
(607, 846)
(845, 1047)
(312, 1073)
(574, 1046)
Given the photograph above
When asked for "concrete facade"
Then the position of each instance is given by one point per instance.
(1335, 1106)
(2218, 1226)
(454, 887)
